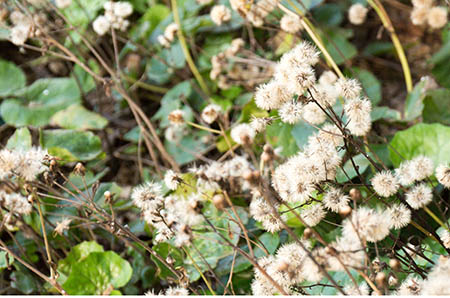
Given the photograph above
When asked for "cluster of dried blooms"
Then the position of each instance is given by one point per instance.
(424, 12)
(114, 17)
(237, 65)
(255, 11)
(24, 26)
(357, 14)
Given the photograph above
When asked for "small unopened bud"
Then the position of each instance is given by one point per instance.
(247, 175)
(355, 194)
(108, 196)
(392, 280)
(52, 165)
(330, 250)
(380, 279)
(267, 148)
(345, 211)
(176, 117)
(307, 233)
(219, 201)
(266, 157)
(170, 260)
(30, 199)
(79, 169)
(394, 264)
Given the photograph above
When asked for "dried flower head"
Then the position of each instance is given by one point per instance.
(419, 196)
(334, 199)
(210, 113)
(220, 14)
(419, 15)
(291, 112)
(400, 216)
(357, 14)
(243, 134)
(385, 184)
(348, 88)
(172, 180)
(176, 117)
(443, 175)
(101, 25)
(63, 3)
(291, 23)
(437, 17)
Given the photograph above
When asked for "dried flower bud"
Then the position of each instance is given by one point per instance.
(330, 250)
(79, 169)
(380, 279)
(108, 196)
(266, 157)
(355, 194)
(30, 199)
(394, 264)
(220, 202)
(176, 117)
(345, 211)
(170, 260)
(307, 233)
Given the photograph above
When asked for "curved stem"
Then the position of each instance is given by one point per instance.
(378, 7)
(187, 55)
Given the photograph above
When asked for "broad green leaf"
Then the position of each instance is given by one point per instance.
(378, 48)
(437, 106)
(71, 145)
(87, 82)
(78, 117)
(172, 101)
(81, 12)
(35, 105)
(301, 132)
(186, 149)
(21, 139)
(280, 135)
(329, 14)
(5, 260)
(24, 280)
(96, 273)
(148, 22)
(337, 44)
(384, 113)
(77, 253)
(210, 245)
(11, 78)
(164, 249)
(270, 242)
(414, 104)
(303, 5)
(431, 140)
(370, 84)
(441, 62)
(360, 161)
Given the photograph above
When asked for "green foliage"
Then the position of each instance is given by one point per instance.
(337, 44)
(11, 78)
(437, 106)
(78, 117)
(21, 139)
(71, 145)
(431, 140)
(6, 260)
(36, 104)
(370, 84)
(414, 104)
(96, 273)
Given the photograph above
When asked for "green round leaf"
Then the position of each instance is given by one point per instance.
(431, 140)
(71, 145)
(11, 78)
(78, 117)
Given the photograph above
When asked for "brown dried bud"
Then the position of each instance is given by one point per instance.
(108, 196)
(307, 233)
(79, 169)
(355, 194)
(133, 62)
(176, 117)
(30, 199)
(53, 165)
(266, 157)
(330, 250)
(380, 279)
(394, 264)
(170, 260)
(57, 67)
(248, 175)
(345, 211)
(268, 148)
(220, 202)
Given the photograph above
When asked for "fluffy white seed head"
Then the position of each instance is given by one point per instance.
(334, 199)
(366, 224)
(259, 124)
(122, 9)
(220, 14)
(357, 14)
(243, 134)
(443, 175)
(176, 117)
(147, 196)
(421, 3)
(291, 112)
(419, 196)
(400, 216)
(437, 17)
(421, 167)
(419, 15)
(313, 114)
(63, 3)
(172, 180)
(210, 113)
(291, 23)
(348, 88)
(313, 214)
(271, 95)
(101, 25)
(385, 184)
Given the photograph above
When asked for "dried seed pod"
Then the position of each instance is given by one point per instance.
(394, 264)
(380, 279)
(307, 233)
(355, 194)
(220, 202)
(79, 169)
(345, 211)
